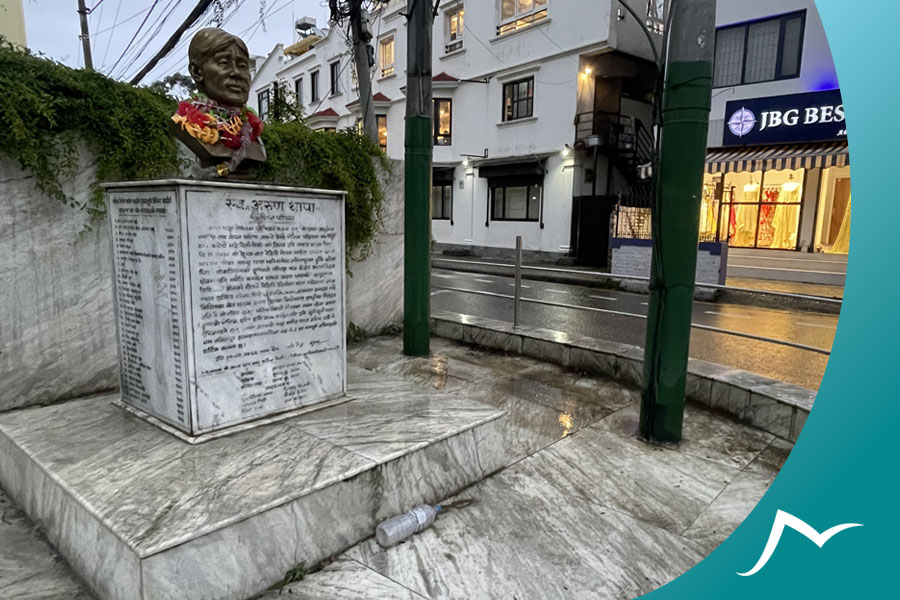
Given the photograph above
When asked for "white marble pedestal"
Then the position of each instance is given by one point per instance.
(229, 300)
(142, 516)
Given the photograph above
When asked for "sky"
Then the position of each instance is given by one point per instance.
(52, 28)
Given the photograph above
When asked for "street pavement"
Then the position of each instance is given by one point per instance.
(622, 322)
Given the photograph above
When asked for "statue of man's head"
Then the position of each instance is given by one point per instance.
(219, 62)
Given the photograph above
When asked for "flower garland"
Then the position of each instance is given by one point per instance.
(208, 121)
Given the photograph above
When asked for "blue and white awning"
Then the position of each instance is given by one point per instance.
(777, 158)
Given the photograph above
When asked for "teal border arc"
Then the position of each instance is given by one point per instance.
(844, 468)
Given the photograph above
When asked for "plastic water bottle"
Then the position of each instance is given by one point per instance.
(399, 528)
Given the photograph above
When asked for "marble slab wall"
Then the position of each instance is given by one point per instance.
(58, 340)
(56, 301)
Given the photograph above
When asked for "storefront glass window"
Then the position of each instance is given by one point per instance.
(779, 211)
(833, 218)
(752, 210)
(740, 208)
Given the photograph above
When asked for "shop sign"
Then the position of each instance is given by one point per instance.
(812, 117)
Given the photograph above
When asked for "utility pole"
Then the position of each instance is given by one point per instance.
(85, 36)
(676, 216)
(361, 37)
(417, 230)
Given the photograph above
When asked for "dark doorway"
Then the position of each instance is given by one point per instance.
(590, 230)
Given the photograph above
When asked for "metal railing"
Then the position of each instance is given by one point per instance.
(518, 299)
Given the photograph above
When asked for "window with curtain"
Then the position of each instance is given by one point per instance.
(382, 131)
(386, 56)
(443, 116)
(314, 86)
(760, 51)
(518, 200)
(517, 14)
(441, 202)
(335, 70)
(518, 99)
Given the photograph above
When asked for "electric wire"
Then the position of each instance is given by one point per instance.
(175, 55)
(151, 34)
(141, 26)
(109, 39)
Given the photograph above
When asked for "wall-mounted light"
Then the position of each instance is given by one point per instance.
(566, 151)
(465, 162)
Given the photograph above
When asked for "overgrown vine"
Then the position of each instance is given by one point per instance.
(48, 109)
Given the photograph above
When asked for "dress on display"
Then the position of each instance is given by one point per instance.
(786, 218)
(745, 226)
(842, 241)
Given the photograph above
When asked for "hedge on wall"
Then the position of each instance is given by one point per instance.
(47, 107)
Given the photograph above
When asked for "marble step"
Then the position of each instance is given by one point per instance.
(141, 515)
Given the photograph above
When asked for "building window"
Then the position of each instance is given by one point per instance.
(516, 14)
(766, 50)
(443, 109)
(518, 99)
(262, 101)
(382, 131)
(753, 209)
(314, 87)
(441, 202)
(518, 200)
(298, 91)
(335, 70)
(386, 56)
(455, 27)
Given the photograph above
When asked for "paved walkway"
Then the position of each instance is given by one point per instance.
(591, 512)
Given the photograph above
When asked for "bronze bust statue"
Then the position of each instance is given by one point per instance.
(216, 124)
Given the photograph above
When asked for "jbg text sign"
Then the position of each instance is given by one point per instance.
(812, 117)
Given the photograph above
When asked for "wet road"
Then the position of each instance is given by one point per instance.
(796, 366)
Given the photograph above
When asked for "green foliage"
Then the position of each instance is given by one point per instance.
(168, 84)
(47, 107)
(343, 160)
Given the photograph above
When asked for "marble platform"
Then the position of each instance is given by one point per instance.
(141, 515)
(590, 512)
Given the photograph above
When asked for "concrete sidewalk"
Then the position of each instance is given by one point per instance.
(594, 277)
(585, 509)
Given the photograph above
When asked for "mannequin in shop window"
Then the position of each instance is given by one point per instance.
(745, 226)
(787, 214)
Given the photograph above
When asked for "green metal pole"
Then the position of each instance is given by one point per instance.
(676, 217)
(417, 230)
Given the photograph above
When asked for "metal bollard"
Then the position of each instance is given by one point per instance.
(518, 296)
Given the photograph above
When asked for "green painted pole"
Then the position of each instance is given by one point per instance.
(676, 217)
(417, 229)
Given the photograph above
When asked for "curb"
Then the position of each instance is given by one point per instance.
(774, 406)
(596, 280)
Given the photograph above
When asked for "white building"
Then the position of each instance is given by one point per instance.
(542, 115)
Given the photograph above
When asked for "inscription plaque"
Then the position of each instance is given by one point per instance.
(229, 300)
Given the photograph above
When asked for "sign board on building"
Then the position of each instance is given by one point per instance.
(811, 117)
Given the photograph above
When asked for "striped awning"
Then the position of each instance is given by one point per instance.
(777, 158)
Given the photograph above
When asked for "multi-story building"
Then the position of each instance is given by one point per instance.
(519, 87)
(543, 120)
(12, 21)
(778, 178)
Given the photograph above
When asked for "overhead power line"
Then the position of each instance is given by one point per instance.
(141, 26)
(170, 43)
